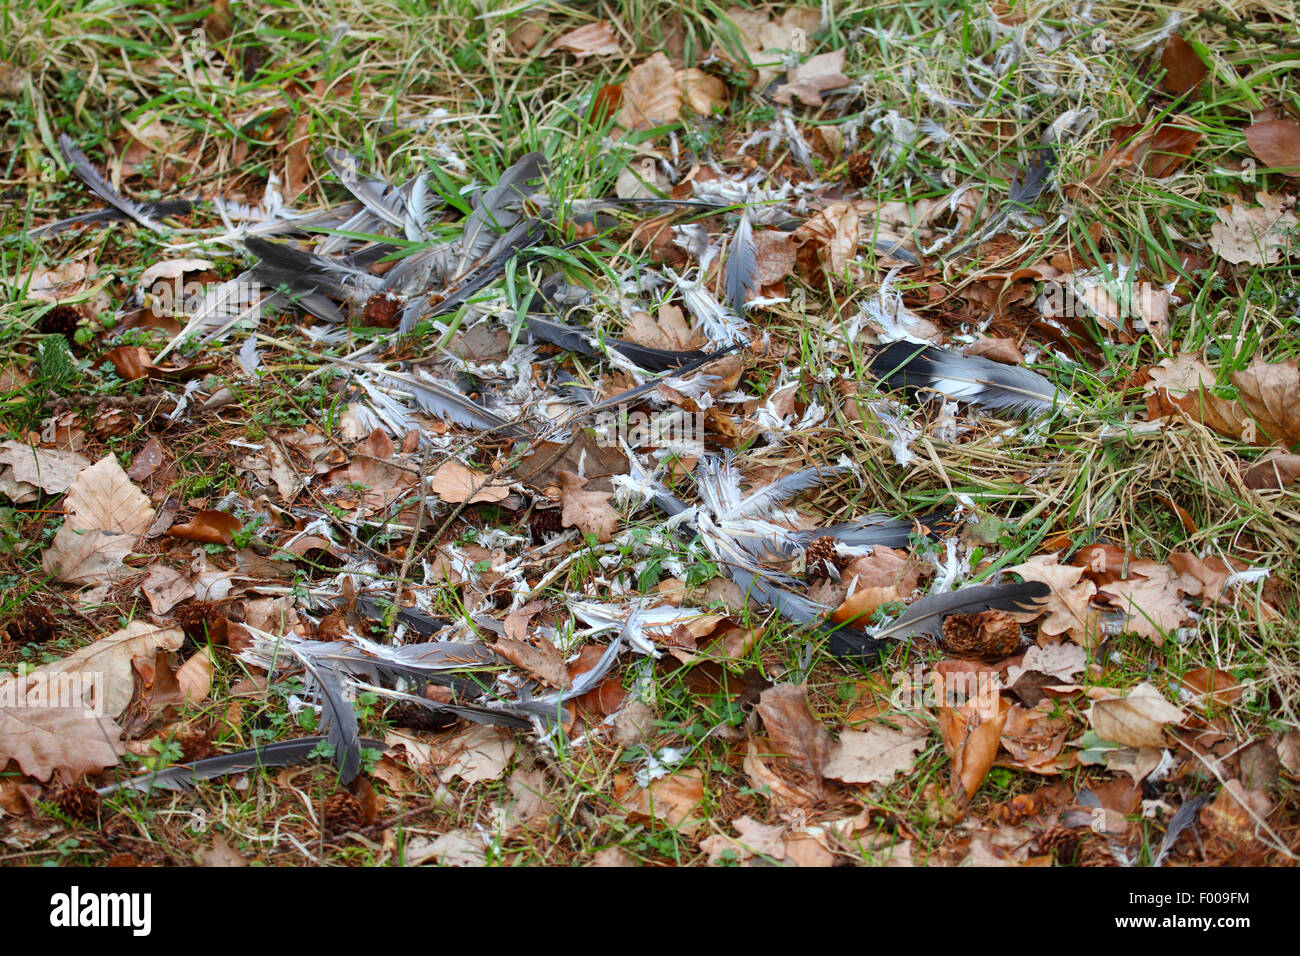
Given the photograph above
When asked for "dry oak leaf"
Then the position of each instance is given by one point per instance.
(1068, 606)
(1151, 600)
(541, 660)
(44, 739)
(651, 96)
(209, 527)
(588, 511)
(455, 483)
(51, 470)
(594, 39)
(1277, 144)
(793, 729)
(702, 92)
(752, 839)
(106, 514)
(1136, 720)
(1272, 472)
(810, 79)
(876, 755)
(1254, 234)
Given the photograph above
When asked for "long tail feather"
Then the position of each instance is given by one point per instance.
(285, 753)
(742, 266)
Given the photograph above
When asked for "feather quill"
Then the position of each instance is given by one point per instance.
(382, 200)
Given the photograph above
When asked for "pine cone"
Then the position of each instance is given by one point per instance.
(381, 311)
(35, 625)
(414, 717)
(195, 744)
(201, 621)
(860, 169)
(1061, 841)
(819, 554)
(989, 634)
(60, 320)
(77, 800)
(342, 813)
(545, 523)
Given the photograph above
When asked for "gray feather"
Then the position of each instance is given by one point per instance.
(742, 266)
(967, 378)
(89, 175)
(925, 617)
(862, 532)
(381, 199)
(285, 753)
(338, 718)
(767, 499)
(492, 212)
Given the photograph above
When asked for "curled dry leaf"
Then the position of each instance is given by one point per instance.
(835, 233)
(588, 511)
(593, 39)
(1273, 471)
(1137, 720)
(210, 527)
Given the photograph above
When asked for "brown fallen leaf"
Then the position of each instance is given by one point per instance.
(588, 511)
(813, 77)
(455, 483)
(1137, 720)
(541, 659)
(1277, 144)
(672, 799)
(209, 527)
(1183, 66)
(794, 730)
(834, 233)
(51, 470)
(477, 754)
(1068, 606)
(1274, 471)
(106, 514)
(592, 39)
(702, 92)
(44, 739)
(974, 755)
(1218, 686)
(651, 96)
(876, 755)
(1258, 235)
(1153, 603)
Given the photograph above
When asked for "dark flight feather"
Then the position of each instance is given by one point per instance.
(285, 753)
(967, 378)
(89, 175)
(925, 617)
